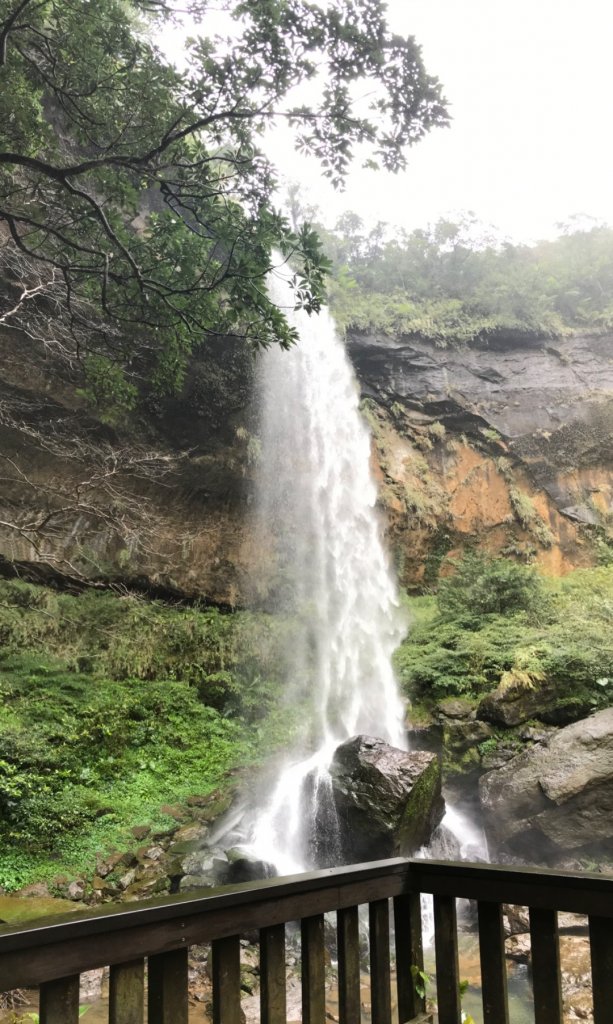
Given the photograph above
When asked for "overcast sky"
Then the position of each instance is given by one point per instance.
(530, 84)
(530, 87)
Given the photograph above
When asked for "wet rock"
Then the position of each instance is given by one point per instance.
(154, 853)
(127, 879)
(388, 801)
(517, 947)
(195, 832)
(559, 796)
(190, 882)
(460, 736)
(90, 984)
(242, 867)
(75, 890)
(444, 845)
(115, 860)
(456, 707)
(513, 704)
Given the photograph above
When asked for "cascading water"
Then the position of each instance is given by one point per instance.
(317, 499)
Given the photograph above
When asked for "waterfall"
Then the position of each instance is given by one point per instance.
(316, 499)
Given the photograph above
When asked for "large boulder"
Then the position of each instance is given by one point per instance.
(515, 702)
(557, 796)
(388, 801)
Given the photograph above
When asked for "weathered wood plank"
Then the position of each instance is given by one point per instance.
(59, 1001)
(379, 941)
(313, 970)
(226, 956)
(601, 950)
(447, 965)
(545, 959)
(54, 958)
(273, 997)
(127, 993)
(493, 965)
(409, 955)
(167, 983)
(348, 937)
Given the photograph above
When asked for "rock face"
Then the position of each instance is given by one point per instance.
(506, 444)
(516, 703)
(388, 802)
(555, 797)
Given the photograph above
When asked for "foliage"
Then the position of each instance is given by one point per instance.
(497, 621)
(139, 205)
(112, 706)
(482, 586)
(454, 283)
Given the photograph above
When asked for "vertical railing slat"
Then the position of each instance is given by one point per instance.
(379, 940)
(447, 965)
(313, 970)
(59, 1001)
(127, 993)
(167, 984)
(545, 958)
(601, 951)
(409, 955)
(273, 998)
(226, 958)
(493, 966)
(348, 936)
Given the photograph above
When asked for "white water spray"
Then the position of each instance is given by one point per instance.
(317, 498)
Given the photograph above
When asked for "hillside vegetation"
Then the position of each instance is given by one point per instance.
(454, 282)
(496, 622)
(113, 707)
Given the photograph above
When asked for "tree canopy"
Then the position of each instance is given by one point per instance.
(457, 281)
(137, 207)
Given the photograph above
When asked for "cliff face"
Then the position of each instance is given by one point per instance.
(155, 501)
(508, 447)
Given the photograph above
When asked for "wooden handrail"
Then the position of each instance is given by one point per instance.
(53, 952)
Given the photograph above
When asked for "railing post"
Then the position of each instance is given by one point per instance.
(409, 955)
(379, 932)
(546, 980)
(127, 993)
(493, 966)
(348, 937)
(601, 952)
(59, 1001)
(226, 956)
(167, 974)
(273, 997)
(313, 970)
(447, 965)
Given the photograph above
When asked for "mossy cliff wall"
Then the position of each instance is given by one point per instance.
(507, 446)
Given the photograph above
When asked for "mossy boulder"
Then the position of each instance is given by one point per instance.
(388, 801)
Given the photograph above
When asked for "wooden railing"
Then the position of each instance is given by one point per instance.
(159, 932)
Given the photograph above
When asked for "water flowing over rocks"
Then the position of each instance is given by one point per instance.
(388, 801)
(556, 796)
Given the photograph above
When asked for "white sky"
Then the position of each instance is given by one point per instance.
(530, 86)
(530, 83)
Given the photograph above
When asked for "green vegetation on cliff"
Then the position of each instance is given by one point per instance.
(454, 283)
(499, 623)
(112, 707)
